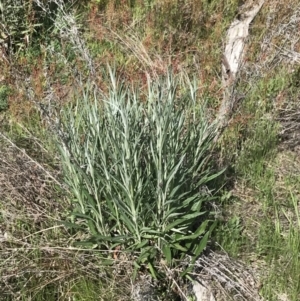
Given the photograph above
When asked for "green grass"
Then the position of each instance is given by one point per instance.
(262, 217)
(136, 170)
(278, 242)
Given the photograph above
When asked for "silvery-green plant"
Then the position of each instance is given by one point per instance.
(24, 23)
(138, 168)
(16, 26)
(4, 93)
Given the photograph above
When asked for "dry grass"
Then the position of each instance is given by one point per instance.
(228, 278)
(37, 259)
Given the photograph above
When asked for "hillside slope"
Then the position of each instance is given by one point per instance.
(53, 52)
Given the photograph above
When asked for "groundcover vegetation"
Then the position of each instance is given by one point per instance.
(142, 160)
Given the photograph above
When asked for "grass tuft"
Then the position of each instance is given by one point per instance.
(139, 170)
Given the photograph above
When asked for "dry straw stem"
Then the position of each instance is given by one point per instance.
(281, 44)
(38, 266)
(277, 44)
(130, 42)
(227, 278)
(289, 118)
(32, 160)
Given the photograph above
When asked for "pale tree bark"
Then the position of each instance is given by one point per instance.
(233, 55)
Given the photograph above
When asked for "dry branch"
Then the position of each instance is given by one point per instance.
(233, 57)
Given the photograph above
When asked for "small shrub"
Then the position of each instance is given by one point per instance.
(4, 92)
(138, 171)
(24, 23)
